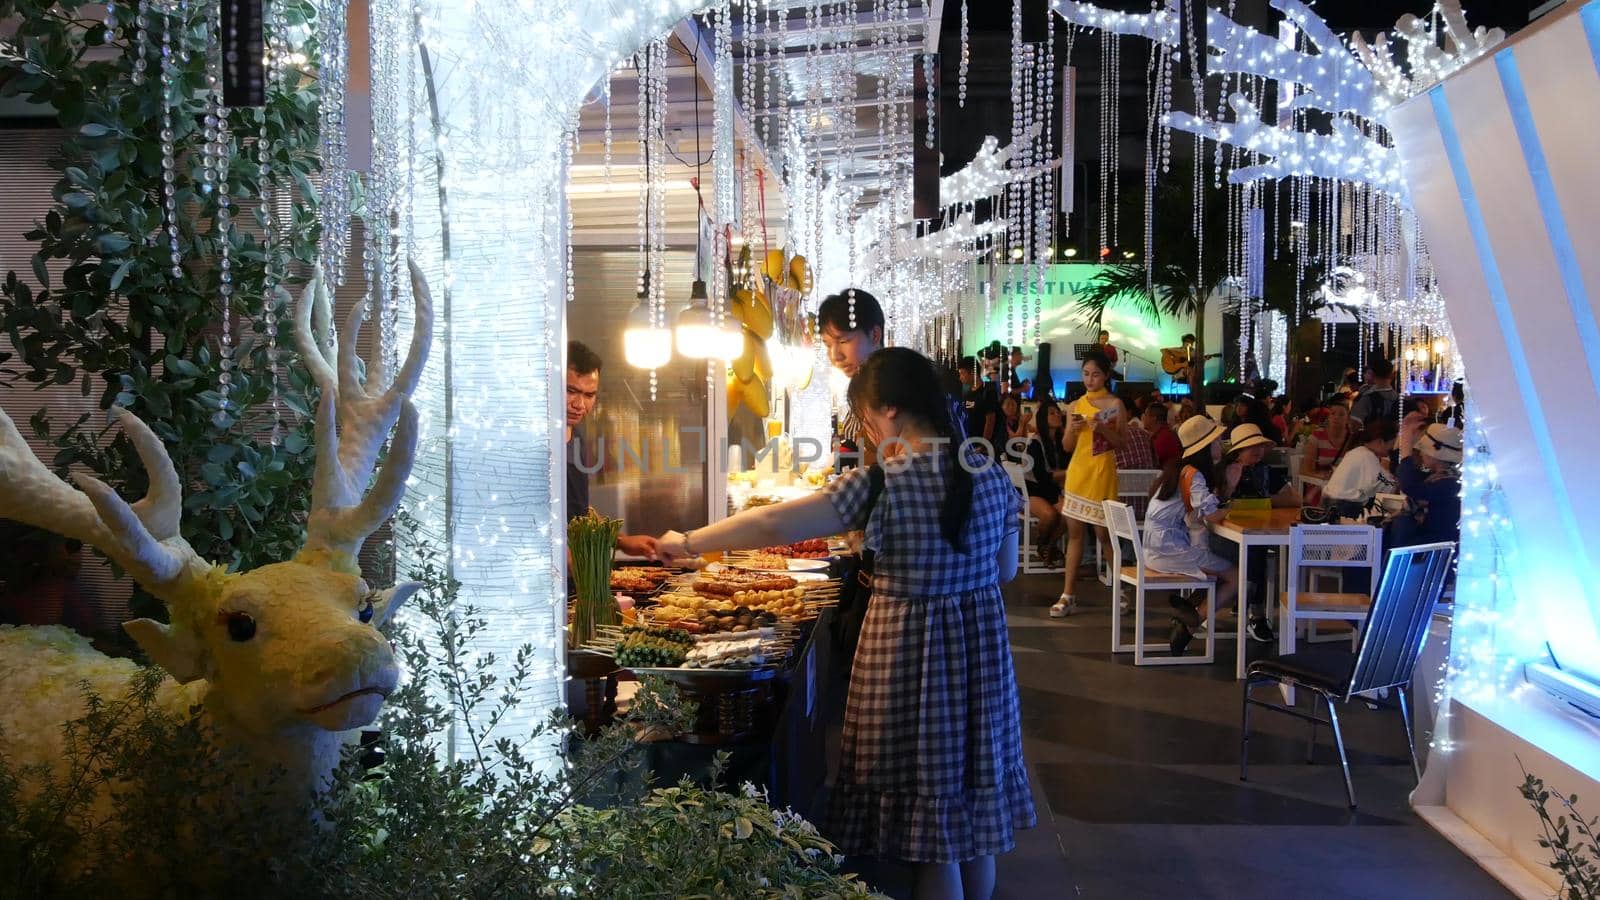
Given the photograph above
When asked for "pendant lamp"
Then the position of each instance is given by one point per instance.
(645, 345)
(698, 336)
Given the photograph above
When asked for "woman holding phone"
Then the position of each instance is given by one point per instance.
(1095, 424)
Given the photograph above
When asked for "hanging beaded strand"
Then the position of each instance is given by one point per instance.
(268, 217)
(221, 153)
(169, 97)
(141, 41)
(606, 97)
(966, 57)
(641, 64)
(331, 71)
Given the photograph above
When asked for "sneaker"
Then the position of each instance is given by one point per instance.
(1064, 606)
(1260, 631)
(1178, 638)
(1183, 611)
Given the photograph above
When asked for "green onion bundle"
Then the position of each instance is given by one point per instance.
(592, 540)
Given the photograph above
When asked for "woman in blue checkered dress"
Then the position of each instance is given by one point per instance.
(931, 771)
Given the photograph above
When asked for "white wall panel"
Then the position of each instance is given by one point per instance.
(1563, 87)
(1563, 409)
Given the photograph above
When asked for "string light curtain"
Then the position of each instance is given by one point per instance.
(502, 83)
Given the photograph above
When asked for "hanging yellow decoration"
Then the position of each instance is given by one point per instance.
(776, 305)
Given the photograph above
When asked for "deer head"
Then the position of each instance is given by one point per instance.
(287, 645)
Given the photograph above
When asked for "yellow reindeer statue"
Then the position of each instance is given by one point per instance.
(280, 659)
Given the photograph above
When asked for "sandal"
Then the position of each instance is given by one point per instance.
(1064, 606)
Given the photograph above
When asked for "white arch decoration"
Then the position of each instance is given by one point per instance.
(504, 81)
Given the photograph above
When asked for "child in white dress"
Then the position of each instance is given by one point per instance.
(1175, 537)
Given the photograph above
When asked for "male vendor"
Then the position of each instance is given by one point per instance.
(851, 324)
(583, 386)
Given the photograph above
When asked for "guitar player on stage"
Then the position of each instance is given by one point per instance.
(1180, 362)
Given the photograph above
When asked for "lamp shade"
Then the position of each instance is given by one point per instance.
(698, 336)
(645, 344)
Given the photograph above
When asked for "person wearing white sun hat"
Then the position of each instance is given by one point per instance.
(1431, 480)
(1247, 476)
(1182, 504)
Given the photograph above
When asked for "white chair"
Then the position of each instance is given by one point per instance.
(1028, 554)
(1133, 488)
(1313, 548)
(1121, 523)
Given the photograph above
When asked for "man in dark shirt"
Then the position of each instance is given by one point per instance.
(980, 404)
(1378, 398)
(583, 388)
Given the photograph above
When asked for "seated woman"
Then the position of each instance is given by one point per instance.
(1431, 480)
(1181, 504)
(1046, 470)
(1249, 410)
(1246, 476)
(1418, 413)
(1364, 472)
(1011, 414)
(1327, 446)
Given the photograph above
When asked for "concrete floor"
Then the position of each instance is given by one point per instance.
(1135, 774)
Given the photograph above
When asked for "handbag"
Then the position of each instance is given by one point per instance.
(1316, 515)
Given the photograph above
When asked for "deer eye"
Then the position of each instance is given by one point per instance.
(365, 613)
(241, 627)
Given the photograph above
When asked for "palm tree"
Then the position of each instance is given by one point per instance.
(1185, 275)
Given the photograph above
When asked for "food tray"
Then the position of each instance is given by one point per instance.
(716, 677)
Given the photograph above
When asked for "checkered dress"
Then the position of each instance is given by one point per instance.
(931, 767)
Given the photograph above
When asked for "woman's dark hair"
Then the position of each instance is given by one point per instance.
(1099, 359)
(1378, 430)
(1172, 473)
(908, 381)
(1256, 413)
(835, 311)
(1041, 418)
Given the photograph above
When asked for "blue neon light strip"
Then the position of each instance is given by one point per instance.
(1555, 223)
(1591, 26)
(1508, 323)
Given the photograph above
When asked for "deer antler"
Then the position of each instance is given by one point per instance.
(141, 537)
(352, 423)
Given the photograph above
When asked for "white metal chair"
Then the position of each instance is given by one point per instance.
(1133, 488)
(1028, 553)
(1121, 523)
(1321, 547)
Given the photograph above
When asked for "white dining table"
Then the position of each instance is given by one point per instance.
(1253, 528)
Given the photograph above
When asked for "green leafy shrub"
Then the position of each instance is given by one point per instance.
(117, 322)
(1573, 841)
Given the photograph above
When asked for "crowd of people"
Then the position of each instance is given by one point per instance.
(1360, 450)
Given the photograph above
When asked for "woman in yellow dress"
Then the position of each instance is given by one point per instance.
(1094, 432)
